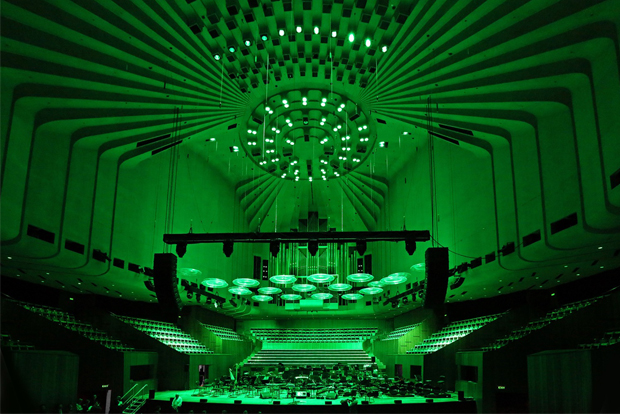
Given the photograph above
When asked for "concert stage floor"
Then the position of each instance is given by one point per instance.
(256, 404)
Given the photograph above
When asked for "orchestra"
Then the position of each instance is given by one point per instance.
(337, 382)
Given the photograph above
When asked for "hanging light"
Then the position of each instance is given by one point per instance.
(298, 29)
(368, 43)
(247, 42)
(351, 37)
(316, 29)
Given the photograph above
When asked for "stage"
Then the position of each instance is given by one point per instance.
(254, 404)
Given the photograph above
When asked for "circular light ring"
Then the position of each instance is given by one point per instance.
(290, 296)
(352, 296)
(262, 298)
(395, 278)
(322, 296)
(376, 283)
(371, 290)
(214, 282)
(321, 278)
(189, 272)
(236, 290)
(360, 277)
(282, 279)
(340, 287)
(269, 290)
(304, 287)
(420, 267)
(246, 282)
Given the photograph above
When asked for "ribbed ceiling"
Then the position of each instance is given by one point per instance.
(521, 99)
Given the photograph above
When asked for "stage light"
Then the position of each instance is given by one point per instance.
(231, 49)
(410, 246)
(334, 33)
(228, 248)
(217, 57)
(298, 29)
(247, 42)
(351, 37)
(281, 32)
(264, 37)
(384, 49)
(368, 42)
(181, 249)
(313, 247)
(274, 248)
(316, 29)
(360, 245)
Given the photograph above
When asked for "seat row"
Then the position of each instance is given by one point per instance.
(402, 331)
(223, 333)
(168, 334)
(452, 333)
(537, 324)
(69, 321)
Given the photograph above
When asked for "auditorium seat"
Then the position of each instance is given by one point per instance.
(317, 335)
(69, 321)
(226, 334)
(550, 317)
(452, 333)
(397, 333)
(168, 334)
(312, 357)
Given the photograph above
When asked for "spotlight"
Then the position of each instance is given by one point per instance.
(384, 49)
(361, 247)
(231, 49)
(247, 42)
(351, 37)
(264, 37)
(228, 248)
(368, 42)
(313, 247)
(274, 247)
(316, 29)
(181, 249)
(298, 29)
(410, 246)
(281, 32)
(334, 33)
(217, 57)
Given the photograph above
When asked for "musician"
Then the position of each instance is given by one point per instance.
(176, 403)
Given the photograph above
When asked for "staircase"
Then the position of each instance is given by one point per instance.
(135, 402)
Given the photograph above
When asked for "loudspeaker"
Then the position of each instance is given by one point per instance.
(203, 400)
(276, 403)
(436, 260)
(165, 281)
(461, 395)
(328, 403)
(398, 401)
(429, 400)
(237, 401)
(365, 402)
(151, 394)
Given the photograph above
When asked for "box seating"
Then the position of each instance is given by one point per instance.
(397, 333)
(314, 357)
(314, 335)
(553, 315)
(14, 344)
(452, 333)
(223, 333)
(70, 322)
(608, 339)
(168, 334)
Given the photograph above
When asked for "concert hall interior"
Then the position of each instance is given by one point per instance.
(310, 206)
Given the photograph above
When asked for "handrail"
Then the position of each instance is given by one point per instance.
(133, 397)
(134, 386)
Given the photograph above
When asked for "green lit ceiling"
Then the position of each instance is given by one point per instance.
(520, 98)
